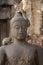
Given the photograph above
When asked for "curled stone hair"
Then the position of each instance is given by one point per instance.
(19, 16)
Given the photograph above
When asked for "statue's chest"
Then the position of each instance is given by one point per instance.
(20, 56)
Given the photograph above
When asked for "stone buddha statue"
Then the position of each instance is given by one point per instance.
(19, 52)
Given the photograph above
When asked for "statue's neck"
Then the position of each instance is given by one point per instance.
(19, 41)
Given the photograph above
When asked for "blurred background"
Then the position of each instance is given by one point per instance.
(34, 12)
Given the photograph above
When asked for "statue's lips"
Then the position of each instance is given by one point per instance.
(20, 34)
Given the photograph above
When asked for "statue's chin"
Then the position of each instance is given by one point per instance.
(20, 38)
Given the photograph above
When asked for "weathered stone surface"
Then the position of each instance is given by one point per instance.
(6, 2)
(4, 13)
(9, 2)
(17, 1)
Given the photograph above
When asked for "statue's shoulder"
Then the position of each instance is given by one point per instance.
(9, 47)
(2, 49)
(38, 47)
(31, 46)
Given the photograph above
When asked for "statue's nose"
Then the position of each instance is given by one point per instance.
(20, 30)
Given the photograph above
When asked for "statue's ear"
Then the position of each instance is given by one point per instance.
(25, 17)
(28, 22)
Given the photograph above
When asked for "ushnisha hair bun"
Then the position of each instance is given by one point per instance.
(19, 16)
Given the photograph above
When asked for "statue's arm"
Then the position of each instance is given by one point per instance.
(2, 61)
(36, 60)
(40, 54)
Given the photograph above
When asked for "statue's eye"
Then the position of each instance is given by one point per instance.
(23, 27)
(17, 27)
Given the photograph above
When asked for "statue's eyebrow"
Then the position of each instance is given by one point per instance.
(16, 25)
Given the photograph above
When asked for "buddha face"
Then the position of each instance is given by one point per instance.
(19, 30)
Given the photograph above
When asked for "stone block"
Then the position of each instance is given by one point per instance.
(5, 13)
(6, 2)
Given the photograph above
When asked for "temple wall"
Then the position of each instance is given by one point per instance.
(34, 14)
